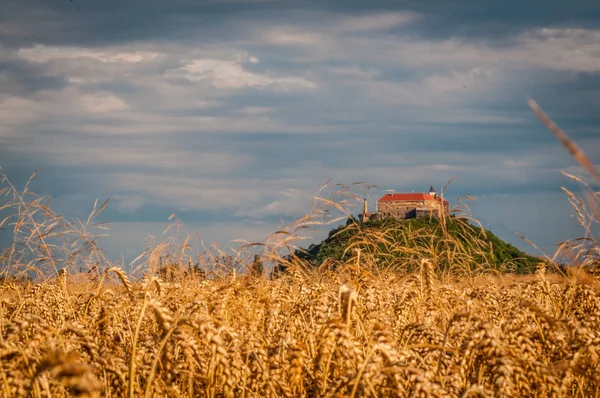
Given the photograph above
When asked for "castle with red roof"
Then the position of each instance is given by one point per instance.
(403, 206)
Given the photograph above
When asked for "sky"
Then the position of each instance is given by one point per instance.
(233, 113)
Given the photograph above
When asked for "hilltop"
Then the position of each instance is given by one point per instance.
(452, 244)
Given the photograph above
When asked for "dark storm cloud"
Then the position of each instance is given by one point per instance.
(84, 22)
(482, 20)
(22, 78)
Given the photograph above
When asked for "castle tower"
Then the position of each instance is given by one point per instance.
(432, 191)
(365, 214)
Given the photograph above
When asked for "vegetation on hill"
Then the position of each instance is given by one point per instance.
(452, 244)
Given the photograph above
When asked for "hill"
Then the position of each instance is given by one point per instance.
(452, 244)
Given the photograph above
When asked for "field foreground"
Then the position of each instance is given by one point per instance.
(342, 333)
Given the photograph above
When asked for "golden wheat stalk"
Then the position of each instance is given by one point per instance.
(567, 142)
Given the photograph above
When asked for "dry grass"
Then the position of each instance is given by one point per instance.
(74, 324)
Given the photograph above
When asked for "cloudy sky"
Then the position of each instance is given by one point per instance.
(232, 113)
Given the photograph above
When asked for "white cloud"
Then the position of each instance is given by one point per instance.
(374, 22)
(354, 71)
(327, 31)
(256, 110)
(291, 36)
(40, 53)
(69, 152)
(205, 104)
(210, 186)
(444, 92)
(231, 74)
(562, 49)
(556, 49)
(290, 201)
(16, 111)
(105, 113)
(448, 74)
(128, 204)
(520, 163)
(447, 167)
(474, 79)
(102, 103)
(198, 193)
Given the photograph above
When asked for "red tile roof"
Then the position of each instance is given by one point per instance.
(408, 196)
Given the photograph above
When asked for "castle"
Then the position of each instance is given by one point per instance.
(407, 205)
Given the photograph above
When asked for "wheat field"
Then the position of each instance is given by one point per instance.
(341, 333)
(74, 323)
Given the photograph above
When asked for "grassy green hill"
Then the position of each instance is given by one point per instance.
(452, 244)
